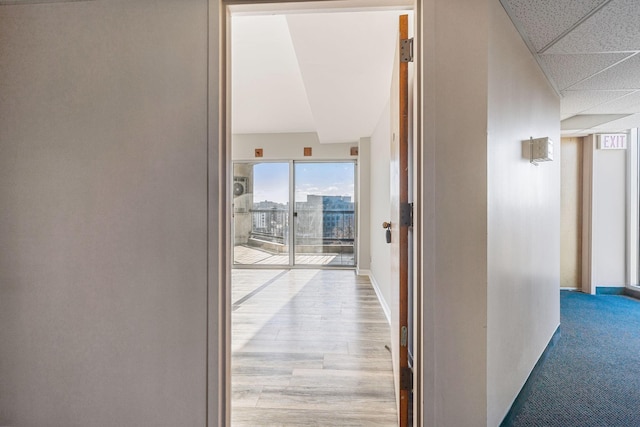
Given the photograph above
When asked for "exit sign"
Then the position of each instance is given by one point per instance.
(612, 141)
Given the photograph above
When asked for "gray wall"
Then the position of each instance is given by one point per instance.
(103, 215)
(455, 61)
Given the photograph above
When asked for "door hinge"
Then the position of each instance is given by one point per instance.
(406, 379)
(406, 50)
(406, 214)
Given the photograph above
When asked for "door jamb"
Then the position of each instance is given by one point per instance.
(219, 170)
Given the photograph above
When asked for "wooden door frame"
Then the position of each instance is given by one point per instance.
(404, 169)
(219, 176)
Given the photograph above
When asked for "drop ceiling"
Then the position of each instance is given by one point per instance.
(589, 51)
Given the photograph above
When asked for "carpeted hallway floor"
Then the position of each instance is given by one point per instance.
(591, 377)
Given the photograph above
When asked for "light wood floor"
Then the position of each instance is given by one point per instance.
(246, 255)
(309, 350)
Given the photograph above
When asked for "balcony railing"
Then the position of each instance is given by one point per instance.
(313, 226)
(270, 224)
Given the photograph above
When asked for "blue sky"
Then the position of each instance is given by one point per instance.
(271, 180)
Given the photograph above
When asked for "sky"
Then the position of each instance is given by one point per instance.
(271, 180)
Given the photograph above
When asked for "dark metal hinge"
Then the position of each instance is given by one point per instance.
(406, 379)
(406, 50)
(406, 214)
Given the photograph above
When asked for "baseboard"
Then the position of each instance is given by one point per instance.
(610, 290)
(363, 272)
(632, 292)
(383, 303)
(526, 388)
(569, 289)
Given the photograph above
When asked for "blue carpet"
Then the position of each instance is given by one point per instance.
(591, 377)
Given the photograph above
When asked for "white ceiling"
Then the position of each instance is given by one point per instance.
(288, 79)
(589, 51)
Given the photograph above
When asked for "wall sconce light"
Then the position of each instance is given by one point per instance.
(537, 150)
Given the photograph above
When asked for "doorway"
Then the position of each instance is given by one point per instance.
(294, 214)
(571, 213)
(225, 185)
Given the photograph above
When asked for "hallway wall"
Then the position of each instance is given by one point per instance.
(455, 77)
(523, 217)
(490, 291)
(103, 218)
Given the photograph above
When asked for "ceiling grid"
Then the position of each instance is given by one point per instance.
(588, 50)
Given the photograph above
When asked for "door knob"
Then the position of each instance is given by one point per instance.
(387, 226)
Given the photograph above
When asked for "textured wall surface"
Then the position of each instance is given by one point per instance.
(523, 217)
(103, 215)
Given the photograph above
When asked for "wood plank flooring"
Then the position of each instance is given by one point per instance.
(246, 255)
(309, 350)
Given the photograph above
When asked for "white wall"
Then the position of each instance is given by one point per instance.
(288, 146)
(364, 206)
(523, 217)
(490, 284)
(380, 207)
(454, 289)
(103, 188)
(608, 227)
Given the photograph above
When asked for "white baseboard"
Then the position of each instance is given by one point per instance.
(383, 303)
(569, 289)
(363, 272)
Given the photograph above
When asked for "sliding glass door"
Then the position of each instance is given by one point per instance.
(324, 214)
(318, 196)
(261, 213)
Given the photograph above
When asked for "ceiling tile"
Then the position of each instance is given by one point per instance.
(567, 70)
(586, 121)
(575, 102)
(629, 104)
(615, 27)
(544, 21)
(623, 76)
